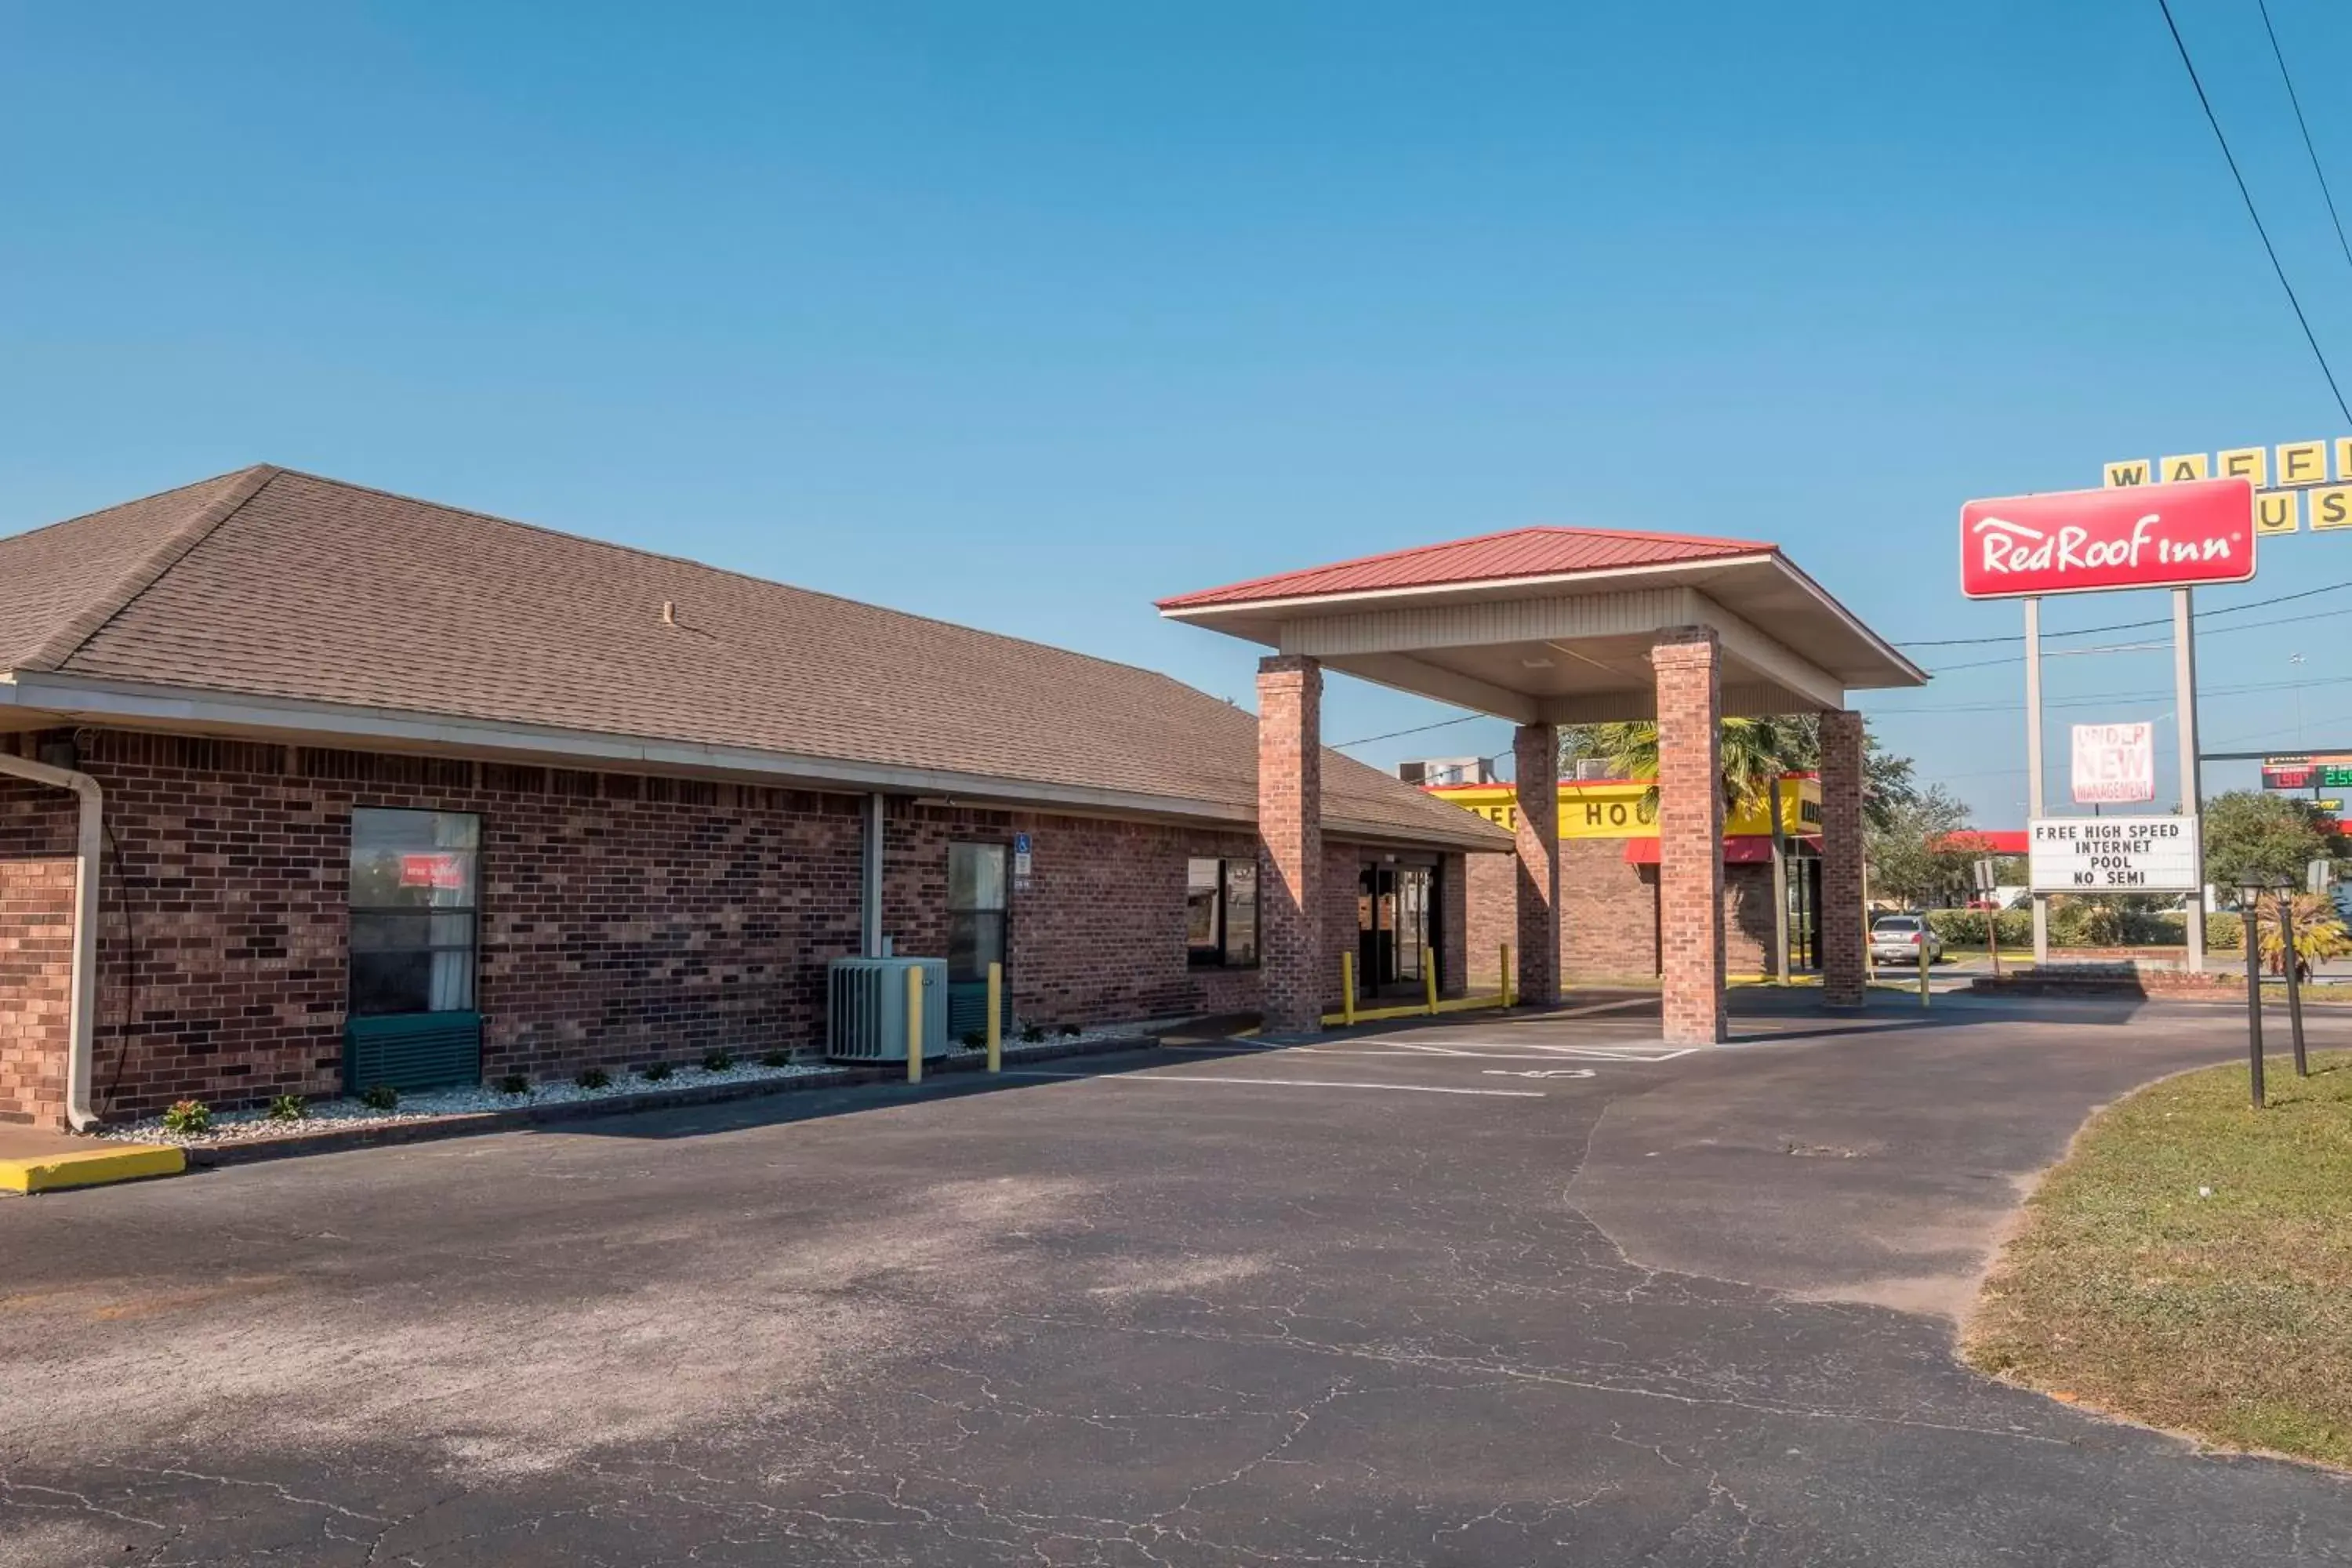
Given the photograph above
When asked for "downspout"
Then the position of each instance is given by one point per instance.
(870, 901)
(84, 1003)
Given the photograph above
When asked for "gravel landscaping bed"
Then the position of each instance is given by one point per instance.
(686, 1082)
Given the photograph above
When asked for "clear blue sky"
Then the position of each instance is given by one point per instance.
(1023, 314)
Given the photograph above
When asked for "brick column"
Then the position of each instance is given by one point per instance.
(1843, 975)
(1690, 834)
(37, 907)
(1290, 850)
(1535, 754)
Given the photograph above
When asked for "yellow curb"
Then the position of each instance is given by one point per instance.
(123, 1163)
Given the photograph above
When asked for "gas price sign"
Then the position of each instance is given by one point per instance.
(2113, 854)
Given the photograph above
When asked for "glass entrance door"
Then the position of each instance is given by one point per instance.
(1392, 927)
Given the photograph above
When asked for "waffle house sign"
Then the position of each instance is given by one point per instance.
(1620, 809)
(2298, 484)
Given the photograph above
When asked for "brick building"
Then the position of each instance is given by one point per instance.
(1610, 916)
(358, 772)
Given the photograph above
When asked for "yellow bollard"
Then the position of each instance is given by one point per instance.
(1429, 982)
(1510, 981)
(1348, 989)
(914, 1025)
(996, 1017)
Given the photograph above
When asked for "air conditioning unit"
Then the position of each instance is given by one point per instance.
(866, 1008)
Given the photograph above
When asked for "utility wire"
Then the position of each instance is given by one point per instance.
(2317, 173)
(2141, 647)
(2129, 625)
(2232, 159)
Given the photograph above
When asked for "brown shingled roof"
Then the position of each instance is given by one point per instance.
(274, 584)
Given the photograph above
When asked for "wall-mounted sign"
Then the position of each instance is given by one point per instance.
(2300, 470)
(2114, 763)
(1620, 809)
(2113, 854)
(2076, 542)
(1021, 863)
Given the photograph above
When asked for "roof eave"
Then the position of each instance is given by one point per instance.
(46, 696)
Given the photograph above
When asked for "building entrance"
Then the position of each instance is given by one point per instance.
(1395, 922)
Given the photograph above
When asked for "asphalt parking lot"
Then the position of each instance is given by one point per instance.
(1491, 1292)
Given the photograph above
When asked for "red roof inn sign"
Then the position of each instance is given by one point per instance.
(2174, 535)
(2078, 542)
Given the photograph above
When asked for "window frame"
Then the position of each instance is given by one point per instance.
(430, 918)
(1218, 952)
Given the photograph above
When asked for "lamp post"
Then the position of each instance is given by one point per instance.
(2294, 986)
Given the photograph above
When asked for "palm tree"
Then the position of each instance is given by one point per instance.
(1755, 752)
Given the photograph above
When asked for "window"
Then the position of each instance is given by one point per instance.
(975, 911)
(414, 876)
(1221, 912)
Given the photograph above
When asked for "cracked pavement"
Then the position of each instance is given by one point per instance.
(1410, 1296)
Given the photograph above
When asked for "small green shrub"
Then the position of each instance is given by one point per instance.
(514, 1083)
(380, 1097)
(974, 1039)
(2225, 932)
(591, 1078)
(653, 1072)
(188, 1116)
(288, 1107)
(1069, 1030)
(776, 1059)
(1033, 1033)
(718, 1061)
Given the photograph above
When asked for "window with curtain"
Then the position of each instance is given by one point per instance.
(414, 881)
(1221, 911)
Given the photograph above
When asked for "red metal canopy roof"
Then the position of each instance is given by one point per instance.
(1490, 557)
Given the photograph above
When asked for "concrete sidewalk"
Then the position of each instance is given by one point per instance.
(35, 1159)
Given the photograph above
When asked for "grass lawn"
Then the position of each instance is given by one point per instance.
(2227, 1316)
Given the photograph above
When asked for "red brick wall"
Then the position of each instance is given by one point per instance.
(1748, 918)
(625, 919)
(1296, 982)
(1609, 914)
(1690, 834)
(37, 902)
(1843, 978)
(1453, 922)
(1535, 954)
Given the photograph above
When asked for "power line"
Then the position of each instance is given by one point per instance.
(2232, 159)
(2093, 700)
(2317, 173)
(2130, 626)
(2143, 647)
(1417, 729)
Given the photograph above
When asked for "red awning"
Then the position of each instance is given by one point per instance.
(1739, 849)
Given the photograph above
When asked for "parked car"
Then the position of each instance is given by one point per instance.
(1894, 939)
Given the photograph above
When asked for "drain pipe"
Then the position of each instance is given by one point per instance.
(84, 1004)
(870, 891)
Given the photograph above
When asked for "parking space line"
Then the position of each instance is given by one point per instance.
(1500, 1051)
(1276, 1082)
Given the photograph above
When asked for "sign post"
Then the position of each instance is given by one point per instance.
(2192, 783)
(2172, 535)
(2033, 802)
